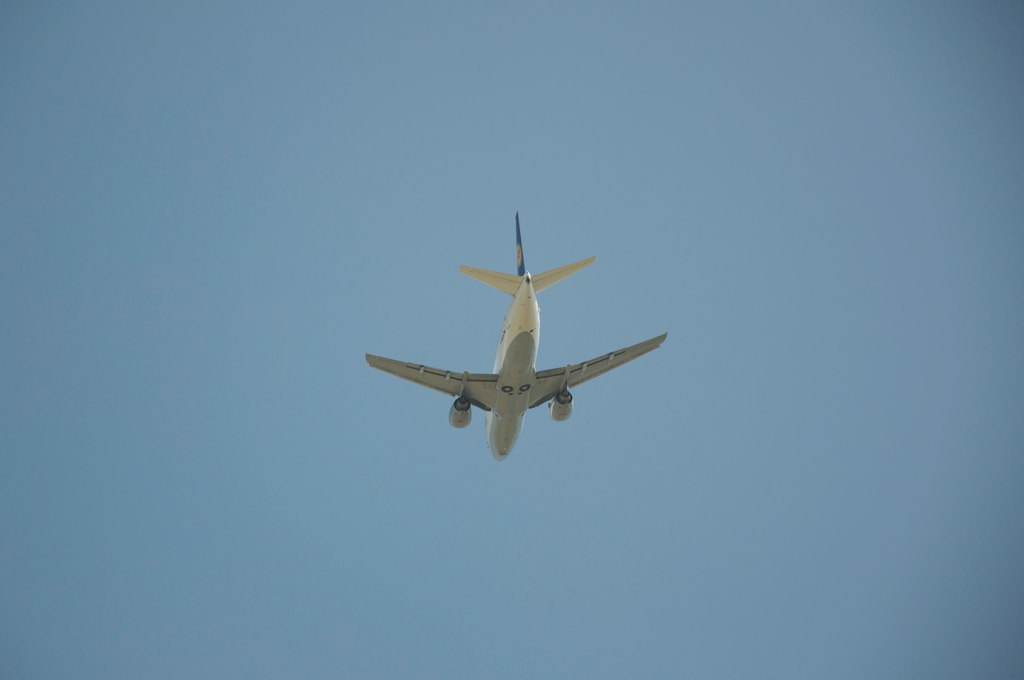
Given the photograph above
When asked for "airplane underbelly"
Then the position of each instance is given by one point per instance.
(515, 379)
(503, 433)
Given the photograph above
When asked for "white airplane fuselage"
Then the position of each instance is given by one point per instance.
(515, 365)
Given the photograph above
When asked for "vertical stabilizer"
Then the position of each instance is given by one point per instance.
(509, 283)
(519, 249)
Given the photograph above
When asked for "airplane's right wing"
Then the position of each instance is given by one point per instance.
(552, 381)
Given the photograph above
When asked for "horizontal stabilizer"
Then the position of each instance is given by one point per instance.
(553, 276)
(506, 282)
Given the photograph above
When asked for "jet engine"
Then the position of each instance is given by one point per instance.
(561, 406)
(460, 414)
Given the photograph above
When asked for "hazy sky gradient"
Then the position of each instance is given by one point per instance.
(210, 211)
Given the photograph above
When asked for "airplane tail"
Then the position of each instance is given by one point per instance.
(506, 282)
(520, 264)
(553, 276)
(509, 283)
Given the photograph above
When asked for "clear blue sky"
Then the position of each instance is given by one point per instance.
(210, 211)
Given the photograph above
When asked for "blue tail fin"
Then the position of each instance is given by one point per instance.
(520, 263)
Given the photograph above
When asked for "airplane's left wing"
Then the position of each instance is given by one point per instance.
(552, 381)
(479, 388)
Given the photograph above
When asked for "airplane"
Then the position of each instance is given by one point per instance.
(514, 385)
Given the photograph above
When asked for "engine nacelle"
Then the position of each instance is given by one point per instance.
(460, 413)
(561, 406)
